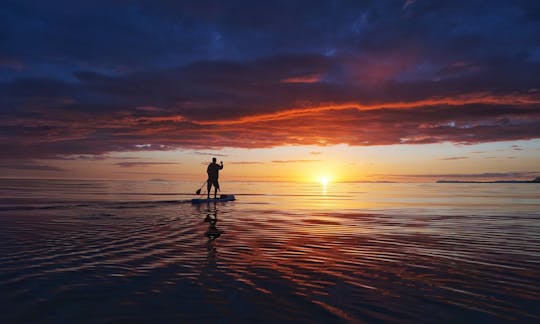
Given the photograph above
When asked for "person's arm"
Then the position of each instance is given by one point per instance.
(221, 166)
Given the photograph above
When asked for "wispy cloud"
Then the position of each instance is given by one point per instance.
(143, 164)
(303, 79)
(209, 154)
(457, 176)
(516, 147)
(245, 162)
(150, 173)
(454, 158)
(30, 166)
(294, 161)
(83, 157)
(408, 3)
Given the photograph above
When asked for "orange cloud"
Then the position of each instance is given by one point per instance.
(460, 100)
(303, 79)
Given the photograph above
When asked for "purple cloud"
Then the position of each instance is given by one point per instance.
(211, 76)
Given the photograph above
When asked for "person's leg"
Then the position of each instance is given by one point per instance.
(215, 192)
(208, 187)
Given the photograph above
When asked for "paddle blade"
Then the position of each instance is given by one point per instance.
(198, 192)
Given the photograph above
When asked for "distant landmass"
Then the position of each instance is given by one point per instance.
(536, 180)
(368, 181)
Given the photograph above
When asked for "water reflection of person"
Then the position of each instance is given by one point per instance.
(211, 218)
(212, 233)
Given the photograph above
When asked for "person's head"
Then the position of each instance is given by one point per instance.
(214, 160)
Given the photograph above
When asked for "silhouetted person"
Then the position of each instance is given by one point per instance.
(213, 175)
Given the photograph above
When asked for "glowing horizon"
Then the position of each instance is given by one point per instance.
(338, 163)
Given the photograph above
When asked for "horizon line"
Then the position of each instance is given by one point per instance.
(438, 180)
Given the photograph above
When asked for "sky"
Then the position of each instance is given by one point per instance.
(384, 90)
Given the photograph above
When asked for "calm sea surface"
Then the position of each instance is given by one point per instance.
(108, 251)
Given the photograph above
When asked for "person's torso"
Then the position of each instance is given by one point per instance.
(213, 170)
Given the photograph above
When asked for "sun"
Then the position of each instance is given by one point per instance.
(324, 180)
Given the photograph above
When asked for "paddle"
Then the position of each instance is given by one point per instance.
(198, 192)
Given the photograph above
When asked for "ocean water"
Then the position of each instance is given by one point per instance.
(108, 251)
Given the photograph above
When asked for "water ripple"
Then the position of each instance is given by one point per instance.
(245, 261)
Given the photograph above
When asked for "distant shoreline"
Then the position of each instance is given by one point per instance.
(536, 180)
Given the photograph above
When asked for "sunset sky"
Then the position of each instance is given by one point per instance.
(278, 90)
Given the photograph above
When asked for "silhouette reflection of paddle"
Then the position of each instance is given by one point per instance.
(211, 218)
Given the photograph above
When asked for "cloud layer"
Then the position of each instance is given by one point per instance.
(99, 78)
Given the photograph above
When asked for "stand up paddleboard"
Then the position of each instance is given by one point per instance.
(205, 200)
